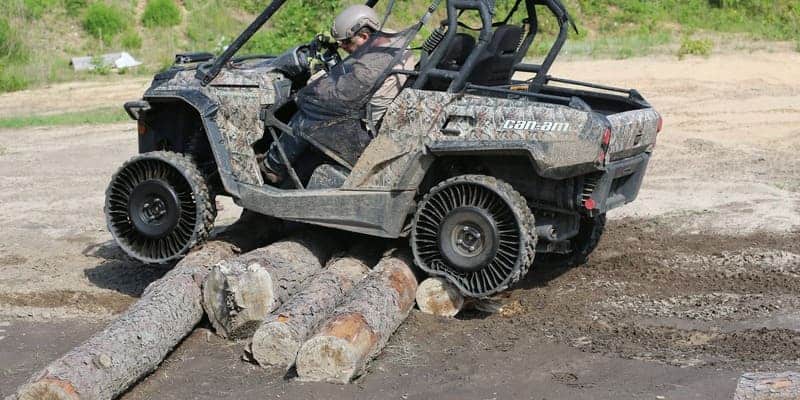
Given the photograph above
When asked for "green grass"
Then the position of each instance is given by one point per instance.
(98, 116)
(131, 40)
(698, 47)
(75, 8)
(105, 21)
(161, 13)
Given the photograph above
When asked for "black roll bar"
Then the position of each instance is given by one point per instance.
(458, 78)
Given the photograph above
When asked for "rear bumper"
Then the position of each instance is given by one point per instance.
(619, 185)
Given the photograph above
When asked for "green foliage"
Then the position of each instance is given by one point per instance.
(99, 68)
(75, 7)
(10, 45)
(698, 47)
(769, 19)
(161, 13)
(210, 25)
(34, 9)
(308, 18)
(10, 80)
(104, 21)
(131, 40)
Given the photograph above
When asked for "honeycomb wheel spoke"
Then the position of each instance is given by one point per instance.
(158, 207)
(477, 232)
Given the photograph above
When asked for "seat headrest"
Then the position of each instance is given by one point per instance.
(458, 51)
(506, 38)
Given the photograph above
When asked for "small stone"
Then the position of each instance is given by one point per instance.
(102, 361)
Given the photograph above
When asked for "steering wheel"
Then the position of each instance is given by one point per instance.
(325, 50)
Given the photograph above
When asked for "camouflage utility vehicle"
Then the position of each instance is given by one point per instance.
(481, 168)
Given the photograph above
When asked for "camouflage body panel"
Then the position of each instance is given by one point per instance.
(237, 96)
(632, 132)
(555, 136)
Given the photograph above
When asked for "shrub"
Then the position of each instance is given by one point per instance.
(131, 40)
(10, 81)
(10, 46)
(701, 47)
(104, 21)
(161, 13)
(75, 7)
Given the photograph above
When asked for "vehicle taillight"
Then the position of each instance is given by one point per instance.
(141, 127)
(590, 204)
(660, 124)
(607, 137)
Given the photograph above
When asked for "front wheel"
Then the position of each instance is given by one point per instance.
(158, 207)
(475, 231)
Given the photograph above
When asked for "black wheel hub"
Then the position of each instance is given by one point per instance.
(154, 208)
(468, 239)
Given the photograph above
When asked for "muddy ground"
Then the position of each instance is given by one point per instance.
(693, 284)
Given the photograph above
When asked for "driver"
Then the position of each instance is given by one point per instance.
(349, 82)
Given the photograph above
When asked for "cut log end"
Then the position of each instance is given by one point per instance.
(328, 359)
(236, 297)
(48, 389)
(275, 345)
(437, 296)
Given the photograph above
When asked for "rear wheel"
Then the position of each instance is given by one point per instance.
(158, 207)
(477, 232)
(581, 246)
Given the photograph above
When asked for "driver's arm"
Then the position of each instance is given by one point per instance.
(357, 81)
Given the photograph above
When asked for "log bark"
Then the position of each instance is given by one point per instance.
(768, 386)
(278, 339)
(360, 327)
(134, 344)
(437, 296)
(239, 293)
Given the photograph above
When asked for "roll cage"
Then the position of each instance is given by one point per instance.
(429, 69)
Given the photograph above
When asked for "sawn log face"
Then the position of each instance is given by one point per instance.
(278, 339)
(361, 326)
(239, 293)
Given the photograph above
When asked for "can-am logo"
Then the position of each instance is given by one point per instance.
(536, 126)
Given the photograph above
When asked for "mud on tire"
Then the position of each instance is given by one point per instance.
(158, 207)
(477, 232)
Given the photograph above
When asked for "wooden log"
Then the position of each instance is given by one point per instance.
(134, 344)
(437, 296)
(239, 293)
(768, 386)
(278, 339)
(360, 327)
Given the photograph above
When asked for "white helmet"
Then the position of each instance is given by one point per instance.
(353, 18)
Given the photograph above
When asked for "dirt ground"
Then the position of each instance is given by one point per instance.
(693, 284)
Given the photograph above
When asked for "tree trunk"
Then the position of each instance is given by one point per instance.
(278, 339)
(239, 293)
(134, 344)
(361, 326)
(768, 386)
(439, 297)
